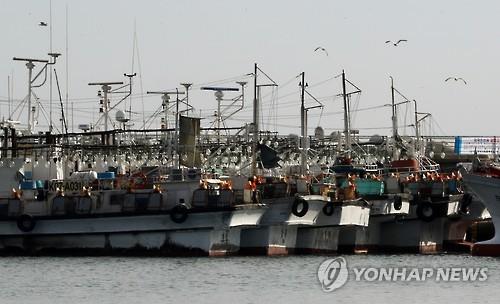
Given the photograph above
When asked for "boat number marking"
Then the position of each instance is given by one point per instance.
(66, 185)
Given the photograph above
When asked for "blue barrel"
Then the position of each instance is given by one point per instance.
(106, 175)
(39, 184)
(28, 175)
(27, 185)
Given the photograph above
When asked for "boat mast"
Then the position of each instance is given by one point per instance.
(165, 97)
(347, 119)
(394, 112)
(417, 135)
(304, 144)
(177, 163)
(417, 123)
(30, 65)
(187, 85)
(51, 70)
(256, 97)
(255, 122)
(303, 126)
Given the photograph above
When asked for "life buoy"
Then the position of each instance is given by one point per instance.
(398, 202)
(328, 209)
(138, 181)
(425, 211)
(304, 207)
(26, 223)
(179, 214)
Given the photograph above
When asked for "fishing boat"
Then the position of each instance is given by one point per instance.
(483, 180)
(99, 213)
(424, 202)
(300, 219)
(100, 192)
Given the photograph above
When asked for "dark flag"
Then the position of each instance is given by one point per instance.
(189, 130)
(269, 157)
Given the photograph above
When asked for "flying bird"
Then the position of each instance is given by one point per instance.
(456, 79)
(320, 48)
(42, 23)
(396, 43)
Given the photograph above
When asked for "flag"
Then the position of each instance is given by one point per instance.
(189, 130)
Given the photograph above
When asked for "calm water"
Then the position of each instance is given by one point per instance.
(230, 280)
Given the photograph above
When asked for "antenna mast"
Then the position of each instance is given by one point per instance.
(219, 94)
(105, 106)
(347, 118)
(165, 99)
(255, 122)
(130, 76)
(30, 65)
(303, 127)
(187, 86)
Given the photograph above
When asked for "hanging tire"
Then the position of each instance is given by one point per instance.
(300, 207)
(426, 212)
(179, 214)
(328, 209)
(26, 223)
(398, 202)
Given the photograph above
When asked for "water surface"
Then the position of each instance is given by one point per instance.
(293, 279)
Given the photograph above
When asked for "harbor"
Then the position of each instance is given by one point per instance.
(189, 190)
(232, 152)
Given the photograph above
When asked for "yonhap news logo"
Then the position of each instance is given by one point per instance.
(334, 273)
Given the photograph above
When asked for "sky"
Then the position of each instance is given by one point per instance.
(207, 42)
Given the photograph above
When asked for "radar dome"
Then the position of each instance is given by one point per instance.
(120, 116)
(319, 133)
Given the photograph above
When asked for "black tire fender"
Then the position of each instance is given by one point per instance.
(295, 207)
(179, 214)
(328, 209)
(26, 223)
(398, 202)
(426, 212)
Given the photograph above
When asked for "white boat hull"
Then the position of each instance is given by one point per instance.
(402, 230)
(487, 189)
(203, 233)
(283, 233)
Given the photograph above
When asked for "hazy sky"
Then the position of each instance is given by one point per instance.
(207, 41)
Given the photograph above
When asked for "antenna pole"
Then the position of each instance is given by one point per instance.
(187, 86)
(303, 126)
(67, 74)
(30, 66)
(255, 122)
(219, 95)
(130, 76)
(165, 98)
(347, 119)
(51, 68)
(177, 160)
(8, 94)
(106, 88)
(64, 125)
(417, 135)
(394, 113)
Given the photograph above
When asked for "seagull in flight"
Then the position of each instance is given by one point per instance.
(320, 48)
(42, 23)
(396, 43)
(456, 79)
